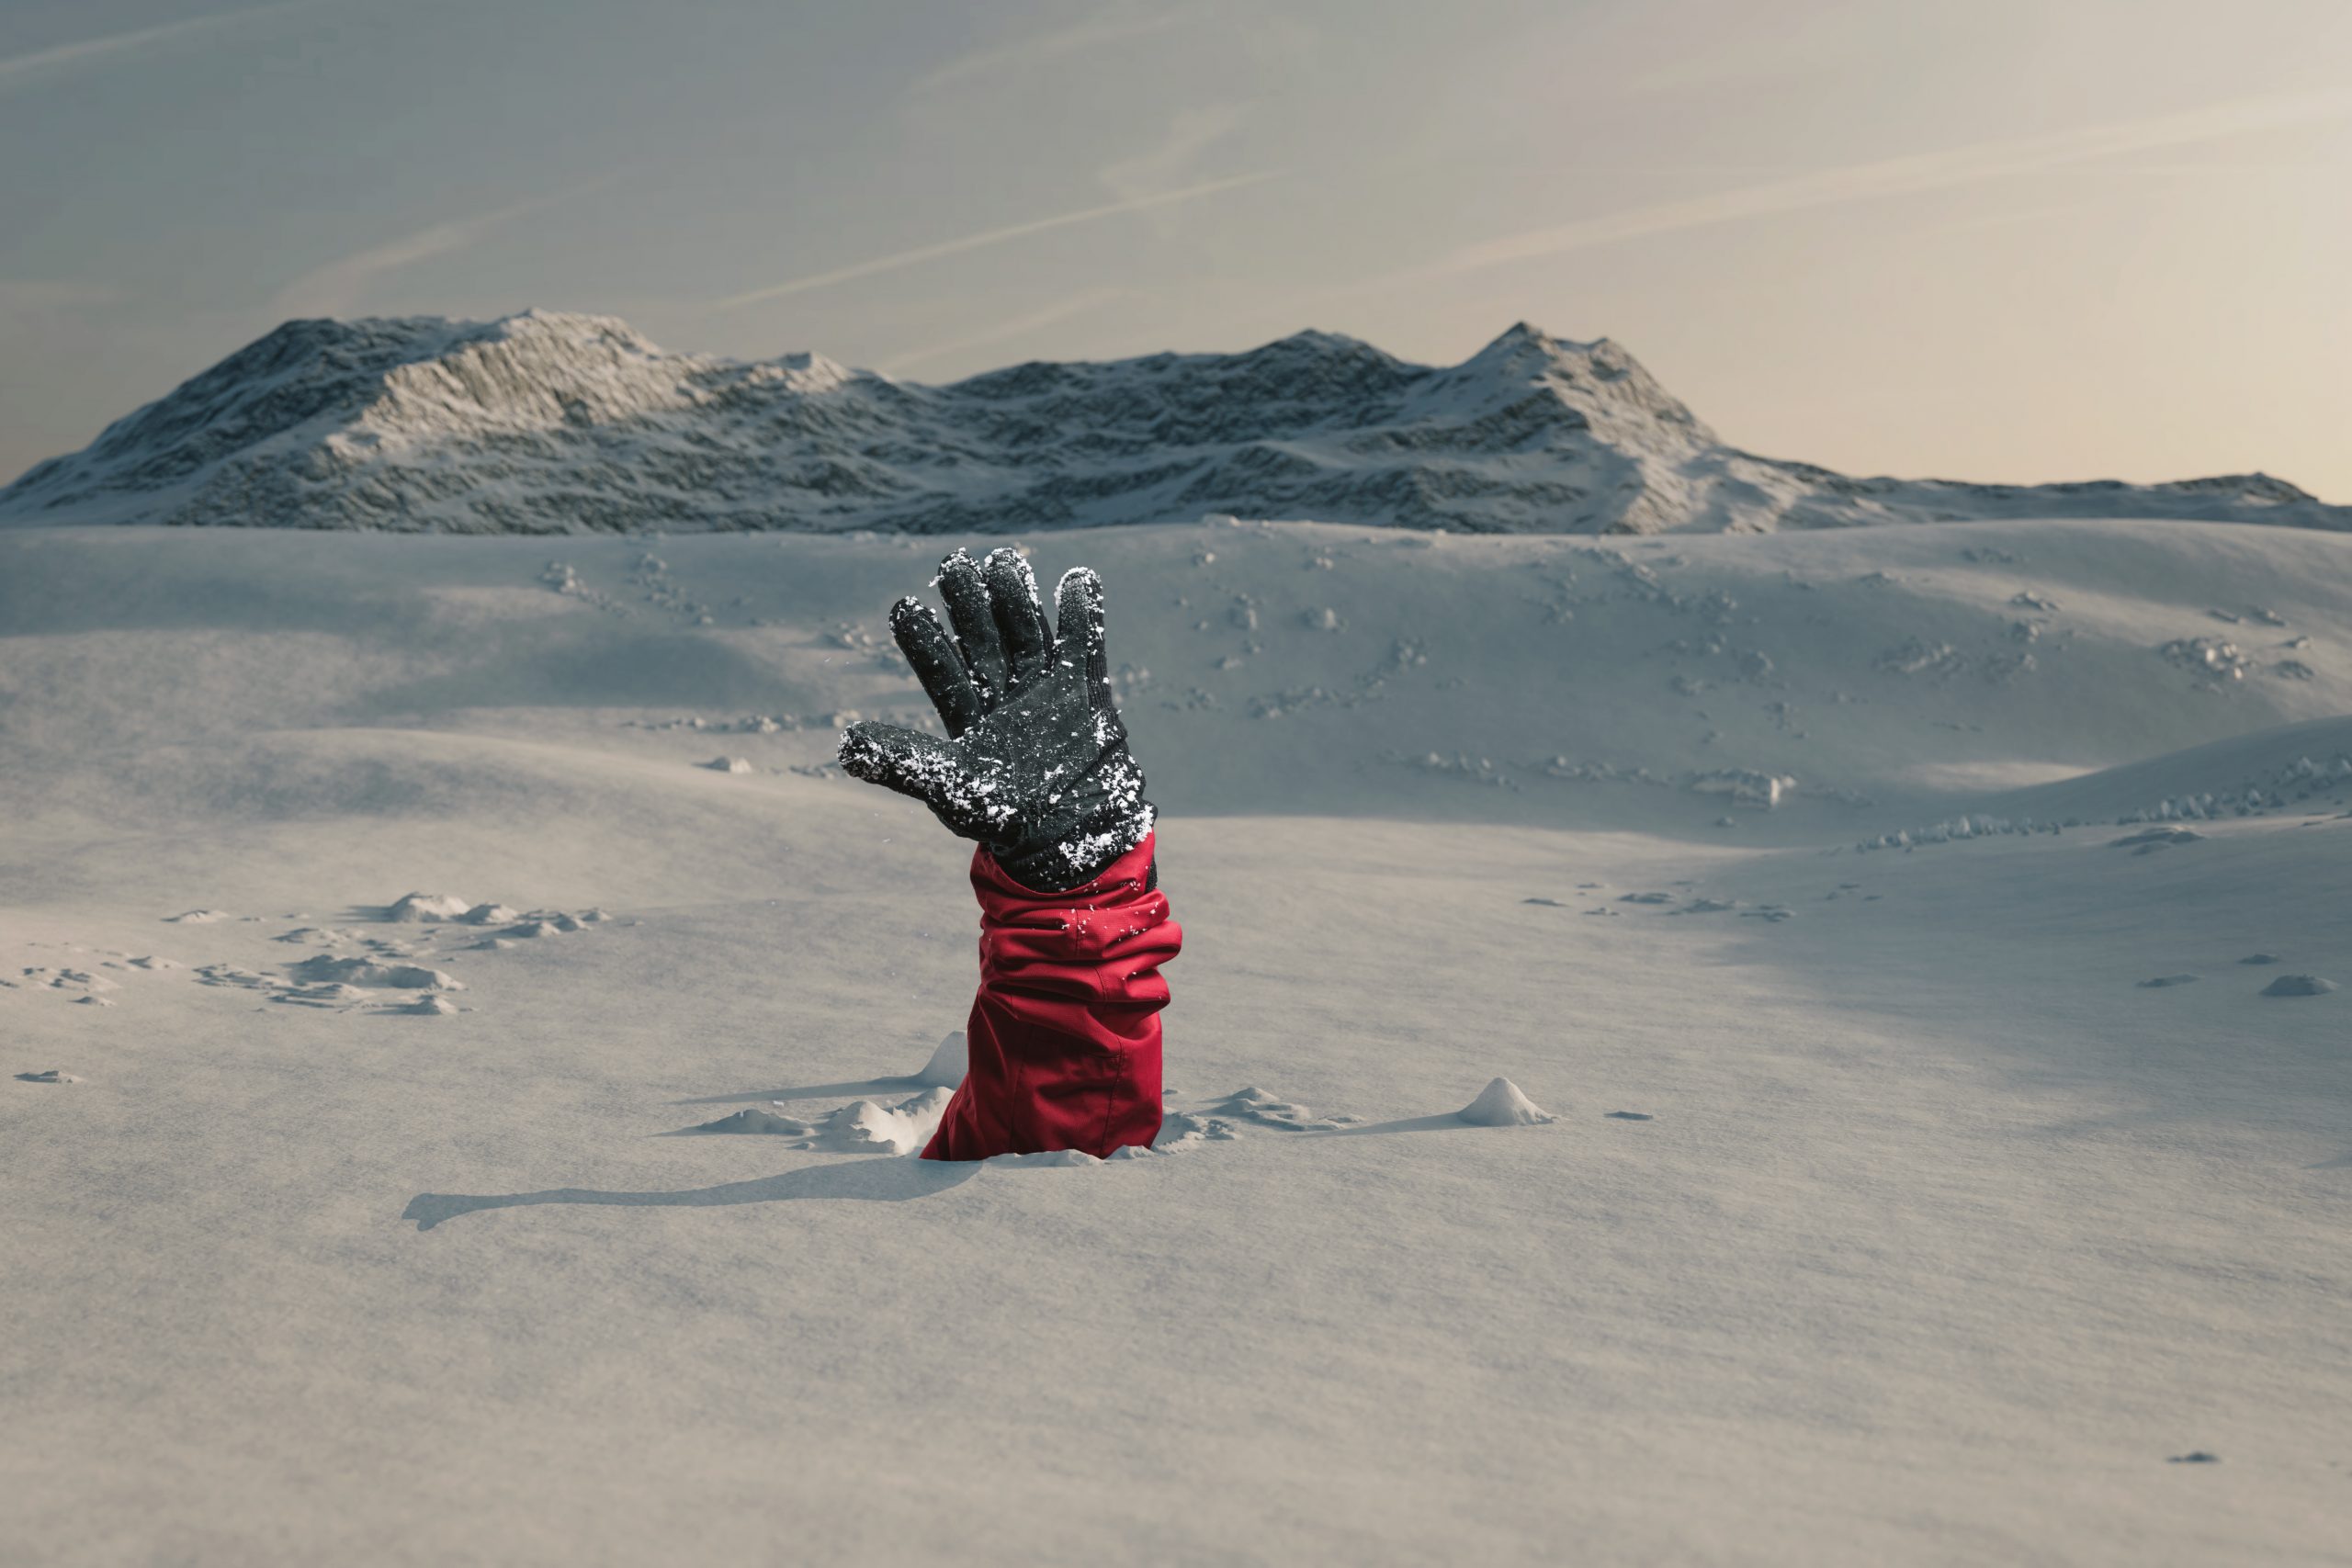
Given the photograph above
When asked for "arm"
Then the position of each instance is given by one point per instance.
(1064, 1034)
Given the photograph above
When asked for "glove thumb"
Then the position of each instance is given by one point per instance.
(897, 758)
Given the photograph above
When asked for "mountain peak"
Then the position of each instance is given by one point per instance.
(1316, 339)
(1524, 345)
(1595, 384)
(1522, 332)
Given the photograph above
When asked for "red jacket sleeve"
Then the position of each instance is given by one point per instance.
(1064, 1035)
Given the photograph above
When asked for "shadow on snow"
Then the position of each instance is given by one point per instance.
(867, 1180)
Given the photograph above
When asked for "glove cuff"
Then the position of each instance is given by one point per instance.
(1077, 856)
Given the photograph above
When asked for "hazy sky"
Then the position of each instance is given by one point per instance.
(2004, 240)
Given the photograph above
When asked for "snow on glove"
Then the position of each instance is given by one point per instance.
(1035, 767)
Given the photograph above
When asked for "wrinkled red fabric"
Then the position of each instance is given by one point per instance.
(1064, 1035)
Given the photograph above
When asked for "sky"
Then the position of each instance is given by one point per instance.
(2014, 240)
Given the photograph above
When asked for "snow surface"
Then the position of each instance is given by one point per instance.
(1886, 1216)
(546, 423)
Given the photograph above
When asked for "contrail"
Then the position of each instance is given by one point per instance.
(66, 53)
(992, 237)
(1092, 299)
(338, 286)
(1051, 45)
(1892, 177)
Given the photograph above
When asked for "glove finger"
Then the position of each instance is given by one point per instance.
(1077, 607)
(897, 758)
(936, 663)
(975, 624)
(1012, 594)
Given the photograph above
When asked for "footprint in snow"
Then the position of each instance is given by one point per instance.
(1254, 1104)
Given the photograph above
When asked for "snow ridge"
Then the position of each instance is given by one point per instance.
(547, 423)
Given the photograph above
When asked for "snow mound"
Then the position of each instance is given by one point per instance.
(547, 423)
(489, 915)
(538, 925)
(948, 1063)
(326, 969)
(1743, 786)
(235, 976)
(2298, 986)
(429, 907)
(1183, 1130)
(427, 1006)
(1500, 1104)
(1267, 1109)
(196, 917)
(53, 1075)
(863, 1126)
(2155, 839)
(758, 1122)
(726, 765)
(334, 995)
(869, 1125)
(321, 935)
(2162, 981)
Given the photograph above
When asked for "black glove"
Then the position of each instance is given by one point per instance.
(1035, 766)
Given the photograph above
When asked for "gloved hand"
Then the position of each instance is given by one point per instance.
(1035, 766)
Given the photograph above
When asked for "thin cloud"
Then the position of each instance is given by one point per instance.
(1056, 44)
(1891, 177)
(338, 287)
(17, 68)
(1013, 329)
(989, 237)
(1191, 133)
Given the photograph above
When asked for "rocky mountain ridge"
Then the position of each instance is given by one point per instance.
(552, 423)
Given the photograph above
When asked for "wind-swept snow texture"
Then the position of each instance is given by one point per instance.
(1885, 1215)
(555, 423)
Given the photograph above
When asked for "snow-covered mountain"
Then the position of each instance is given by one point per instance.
(547, 423)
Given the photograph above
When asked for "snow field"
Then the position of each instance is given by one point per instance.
(1885, 1213)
